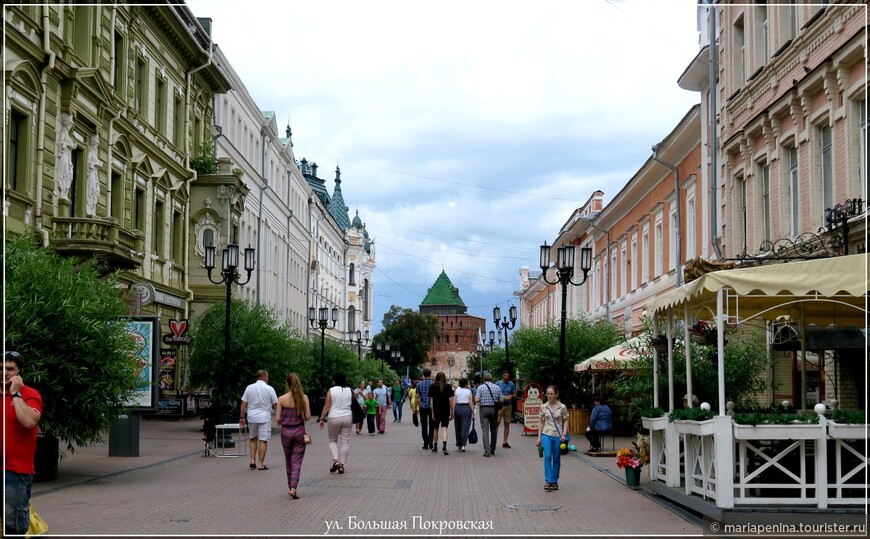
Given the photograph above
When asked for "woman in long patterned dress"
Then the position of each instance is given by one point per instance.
(292, 412)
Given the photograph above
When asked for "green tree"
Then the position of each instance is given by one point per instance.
(536, 351)
(409, 332)
(257, 341)
(203, 160)
(745, 364)
(65, 317)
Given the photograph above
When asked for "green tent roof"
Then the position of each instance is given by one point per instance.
(443, 292)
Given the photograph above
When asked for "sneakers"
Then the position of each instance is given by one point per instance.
(506, 445)
(554, 486)
(462, 449)
(486, 453)
(434, 449)
(548, 487)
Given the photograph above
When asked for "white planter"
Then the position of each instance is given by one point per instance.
(698, 428)
(794, 431)
(655, 423)
(847, 431)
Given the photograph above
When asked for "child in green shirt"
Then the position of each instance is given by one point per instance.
(371, 412)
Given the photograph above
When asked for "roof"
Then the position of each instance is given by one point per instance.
(336, 207)
(443, 292)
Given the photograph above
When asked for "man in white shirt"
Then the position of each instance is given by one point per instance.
(382, 395)
(258, 402)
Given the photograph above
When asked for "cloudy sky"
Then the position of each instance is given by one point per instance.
(467, 131)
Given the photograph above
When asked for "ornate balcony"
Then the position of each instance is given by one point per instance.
(103, 238)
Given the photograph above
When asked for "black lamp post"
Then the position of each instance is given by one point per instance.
(381, 347)
(321, 322)
(229, 274)
(504, 326)
(564, 271)
(360, 341)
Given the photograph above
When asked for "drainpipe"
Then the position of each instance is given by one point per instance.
(714, 138)
(260, 213)
(40, 125)
(679, 226)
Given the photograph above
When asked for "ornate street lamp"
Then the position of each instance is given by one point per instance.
(504, 325)
(321, 322)
(382, 347)
(360, 341)
(229, 274)
(564, 272)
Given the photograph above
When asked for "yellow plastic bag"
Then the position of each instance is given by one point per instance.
(37, 525)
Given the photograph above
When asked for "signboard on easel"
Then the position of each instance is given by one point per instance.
(531, 408)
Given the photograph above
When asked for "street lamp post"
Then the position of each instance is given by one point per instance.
(360, 341)
(564, 271)
(504, 325)
(382, 347)
(321, 322)
(229, 274)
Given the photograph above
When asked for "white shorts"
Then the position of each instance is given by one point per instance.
(261, 431)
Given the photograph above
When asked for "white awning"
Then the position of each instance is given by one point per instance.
(612, 359)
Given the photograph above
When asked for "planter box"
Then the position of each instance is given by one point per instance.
(794, 431)
(698, 428)
(655, 423)
(847, 431)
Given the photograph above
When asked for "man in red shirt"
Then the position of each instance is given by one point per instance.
(21, 414)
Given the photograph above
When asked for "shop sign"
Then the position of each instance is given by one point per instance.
(532, 408)
(178, 334)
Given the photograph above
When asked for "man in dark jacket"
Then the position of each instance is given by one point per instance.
(601, 422)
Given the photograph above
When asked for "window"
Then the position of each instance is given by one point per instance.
(16, 165)
(764, 189)
(644, 256)
(207, 237)
(787, 23)
(157, 242)
(119, 58)
(81, 32)
(794, 191)
(177, 237)
(741, 213)
(141, 82)
(75, 156)
(762, 52)
(178, 123)
(672, 239)
(351, 275)
(827, 170)
(160, 107)
(658, 241)
(739, 54)
(623, 277)
(862, 150)
(691, 231)
(117, 201)
(633, 262)
(139, 210)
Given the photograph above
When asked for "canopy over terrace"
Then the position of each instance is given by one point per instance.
(829, 291)
(612, 359)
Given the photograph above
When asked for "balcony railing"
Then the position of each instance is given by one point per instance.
(103, 238)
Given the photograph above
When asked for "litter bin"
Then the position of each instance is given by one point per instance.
(124, 437)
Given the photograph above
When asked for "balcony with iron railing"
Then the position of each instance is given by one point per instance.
(103, 238)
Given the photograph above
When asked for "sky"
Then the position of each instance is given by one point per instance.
(467, 132)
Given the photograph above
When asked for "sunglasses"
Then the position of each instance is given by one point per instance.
(12, 354)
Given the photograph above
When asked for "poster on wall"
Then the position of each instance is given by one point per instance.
(167, 368)
(144, 330)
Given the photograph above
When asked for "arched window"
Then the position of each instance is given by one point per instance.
(351, 280)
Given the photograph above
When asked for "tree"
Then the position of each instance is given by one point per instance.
(65, 317)
(409, 332)
(745, 363)
(536, 351)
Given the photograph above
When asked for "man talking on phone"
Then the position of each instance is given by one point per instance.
(23, 411)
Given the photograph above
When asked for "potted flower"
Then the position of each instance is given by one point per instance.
(632, 460)
(703, 333)
(660, 344)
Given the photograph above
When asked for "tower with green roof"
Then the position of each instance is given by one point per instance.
(443, 298)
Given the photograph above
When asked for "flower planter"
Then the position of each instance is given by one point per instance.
(655, 423)
(703, 339)
(847, 431)
(794, 431)
(697, 428)
(632, 476)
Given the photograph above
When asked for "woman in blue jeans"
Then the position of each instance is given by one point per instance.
(554, 427)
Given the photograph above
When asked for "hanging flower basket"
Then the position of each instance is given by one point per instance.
(660, 344)
(704, 339)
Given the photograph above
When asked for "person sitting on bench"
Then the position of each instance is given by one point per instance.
(600, 422)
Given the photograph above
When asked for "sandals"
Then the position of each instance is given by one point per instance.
(335, 466)
(263, 468)
(293, 494)
(341, 468)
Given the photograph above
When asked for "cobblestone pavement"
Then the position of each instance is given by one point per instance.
(391, 487)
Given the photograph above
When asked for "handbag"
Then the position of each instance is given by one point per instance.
(356, 410)
(37, 525)
(415, 417)
(497, 403)
(306, 438)
(558, 430)
(472, 434)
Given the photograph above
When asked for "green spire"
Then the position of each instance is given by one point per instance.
(443, 292)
